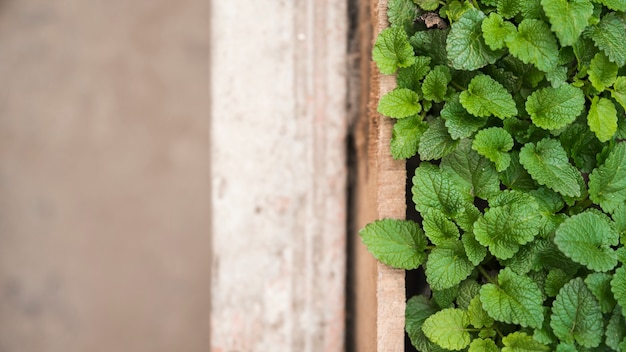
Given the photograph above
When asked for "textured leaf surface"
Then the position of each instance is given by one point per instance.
(438, 228)
(392, 50)
(482, 345)
(494, 143)
(576, 315)
(587, 238)
(616, 329)
(617, 5)
(515, 300)
(412, 76)
(418, 309)
(568, 18)
(460, 123)
(607, 183)
(436, 83)
(512, 220)
(554, 108)
(448, 329)
(485, 97)
(602, 72)
(535, 44)
(447, 265)
(401, 13)
(475, 251)
(473, 172)
(428, 5)
(477, 315)
(397, 243)
(609, 36)
(548, 164)
(406, 136)
(496, 31)
(619, 91)
(600, 285)
(435, 189)
(602, 118)
(618, 286)
(521, 342)
(436, 142)
(399, 103)
(465, 45)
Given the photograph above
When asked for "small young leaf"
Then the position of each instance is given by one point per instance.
(482, 345)
(397, 243)
(600, 285)
(447, 265)
(485, 97)
(607, 183)
(534, 43)
(475, 252)
(418, 309)
(587, 238)
(568, 18)
(460, 123)
(436, 142)
(554, 108)
(496, 31)
(548, 164)
(494, 143)
(400, 103)
(515, 300)
(473, 172)
(436, 83)
(406, 136)
(515, 176)
(392, 50)
(477, 315)
(508, 8)
(448, 329)
(467, 290)
(439, 228)
(576, 315)
(465, 45)
(602, 118)
(554, 281)
(411, 77)
(619, 91)
(602, 72)
(521, 342)
(609, 36)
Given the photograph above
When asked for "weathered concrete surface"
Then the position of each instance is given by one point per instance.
(279, 176)
(104, 191)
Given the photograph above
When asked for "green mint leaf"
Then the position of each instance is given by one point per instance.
(400, 103)
(576, 315)
(397, 243)
(600, 285)
(516, 299)
(566, 347)
(447, 265)
(411, 77)
(609, 36)
(392, 50)
(475, 251)
(548, 164)
(522, 342)
(482, 345)
(618, 286)
(494, 143)
(607, 183)
(554, 281)
(581, 145)
(532, 9)
(448, 329)
(617, 5)
(496, 31)
(436, 142)
(515, 176)
(435, 189)
(619, 91)
(587, 238)
(545, 335)
(459, 122)
(512, 220)
(568, 18)
(485, 97)
(465, 46)
(602, 72)
(427, 5)
(418, 309)
(602, 118)
(439, 228)
(402, 13)
(445, 297)
(555, 108)
(473, 172)
(557, 77)
(431, 43)
(435, 84)
(616, 330)
(477, 315)
(508, 8)
(467, 290)
(535, 44)
(406, 136)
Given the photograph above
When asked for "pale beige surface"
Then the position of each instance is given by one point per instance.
(104, 191)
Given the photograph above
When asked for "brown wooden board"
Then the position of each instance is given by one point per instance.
(379, 291)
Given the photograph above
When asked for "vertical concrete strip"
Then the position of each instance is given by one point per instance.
(278, 174)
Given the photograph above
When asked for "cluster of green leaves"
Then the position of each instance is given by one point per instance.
(516, 111)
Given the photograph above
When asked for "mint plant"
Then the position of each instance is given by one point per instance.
(516, 110)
